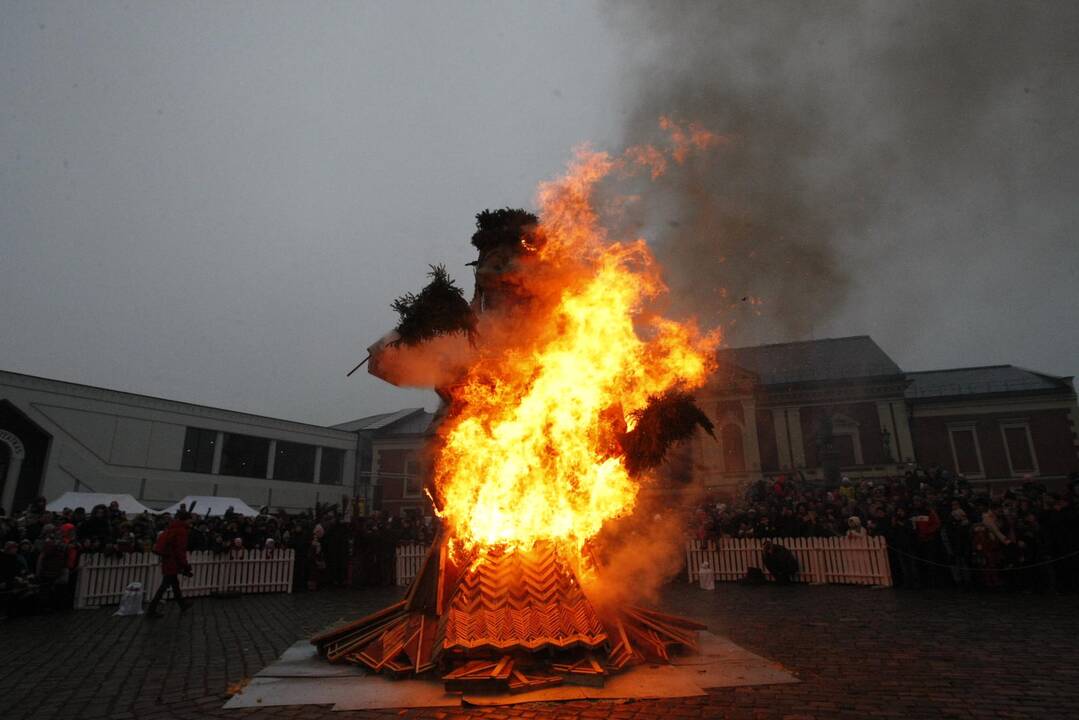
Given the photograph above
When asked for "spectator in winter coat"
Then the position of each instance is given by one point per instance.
(316, 564)
(97, 526)
(12, 565)
(926, 539)
(957, 538)
(171, 546)
(780, 562)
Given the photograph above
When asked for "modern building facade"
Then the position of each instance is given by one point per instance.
(57, 436)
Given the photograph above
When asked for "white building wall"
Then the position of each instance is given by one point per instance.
(108, 441)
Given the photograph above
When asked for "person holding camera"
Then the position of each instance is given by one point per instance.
(171, 547)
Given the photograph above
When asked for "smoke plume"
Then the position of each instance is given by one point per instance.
(637, 555)
(874, 150)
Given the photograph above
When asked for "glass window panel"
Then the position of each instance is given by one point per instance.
(294, 461)
(1019, 449)
(333, 465)
(198, 453)
(966, 452)
(244, 456)
(413, 482)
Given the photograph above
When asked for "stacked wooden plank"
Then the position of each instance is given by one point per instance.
(501, 675)
(392, 640)
(480, 675)
(584, 669)
(509, 620)
(520, 600)
(655, 635)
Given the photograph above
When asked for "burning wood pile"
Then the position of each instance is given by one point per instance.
(562, 392)
(511, 620)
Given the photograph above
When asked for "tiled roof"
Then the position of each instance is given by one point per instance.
(813, 360)
(982, 381)
(520, 600)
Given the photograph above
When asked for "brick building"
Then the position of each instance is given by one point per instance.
(843, 407)
(826, 408)
(392, 463)
(993, 423)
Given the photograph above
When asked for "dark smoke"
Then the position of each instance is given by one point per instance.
(876, 150)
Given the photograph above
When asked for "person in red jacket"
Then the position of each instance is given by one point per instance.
(171, 546)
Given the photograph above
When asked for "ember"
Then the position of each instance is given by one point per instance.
(569, 394)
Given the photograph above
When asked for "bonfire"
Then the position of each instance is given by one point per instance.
(562, 393)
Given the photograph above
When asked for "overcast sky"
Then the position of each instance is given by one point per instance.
(217, 202)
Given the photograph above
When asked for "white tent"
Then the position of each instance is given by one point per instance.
(211, 505)
(87, 501)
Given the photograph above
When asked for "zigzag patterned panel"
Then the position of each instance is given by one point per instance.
(520, 599)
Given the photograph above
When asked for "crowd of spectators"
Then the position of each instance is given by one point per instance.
(939, 530)
(41, 550)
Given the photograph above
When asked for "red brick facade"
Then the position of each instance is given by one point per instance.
(1049, 432)
(842, 406)
(821, 408)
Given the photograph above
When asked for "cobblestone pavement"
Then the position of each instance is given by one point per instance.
(860, 653)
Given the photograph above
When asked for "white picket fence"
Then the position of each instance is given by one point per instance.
(409, 560)
(102, 580)
(852, 561)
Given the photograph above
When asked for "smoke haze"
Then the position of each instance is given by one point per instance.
(218, 204)
(891, 168)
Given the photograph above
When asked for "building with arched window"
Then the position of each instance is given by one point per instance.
(827, 408)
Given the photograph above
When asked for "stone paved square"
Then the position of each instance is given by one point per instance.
(859, 653)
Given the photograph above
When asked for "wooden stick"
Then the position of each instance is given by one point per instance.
(664, 617)
(362, 362)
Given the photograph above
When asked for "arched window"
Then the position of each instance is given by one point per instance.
(734, 456)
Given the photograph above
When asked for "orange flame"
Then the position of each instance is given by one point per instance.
(687, 139)
(527, 452)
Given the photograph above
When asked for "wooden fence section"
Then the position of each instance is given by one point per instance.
(852, 561)
(409, 560)
(102, 580)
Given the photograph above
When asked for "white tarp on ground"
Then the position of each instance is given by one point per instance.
(87, 501)
(301, 677)
(211, 505)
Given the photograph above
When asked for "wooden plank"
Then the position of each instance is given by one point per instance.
(670, 619)
(341, 649)
(329, 635)
(422, 595)
(679, 636)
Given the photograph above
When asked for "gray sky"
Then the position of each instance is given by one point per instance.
(217, 202)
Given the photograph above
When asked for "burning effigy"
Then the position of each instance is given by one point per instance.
(562, 392)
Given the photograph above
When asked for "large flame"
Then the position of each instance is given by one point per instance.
(529, 450)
